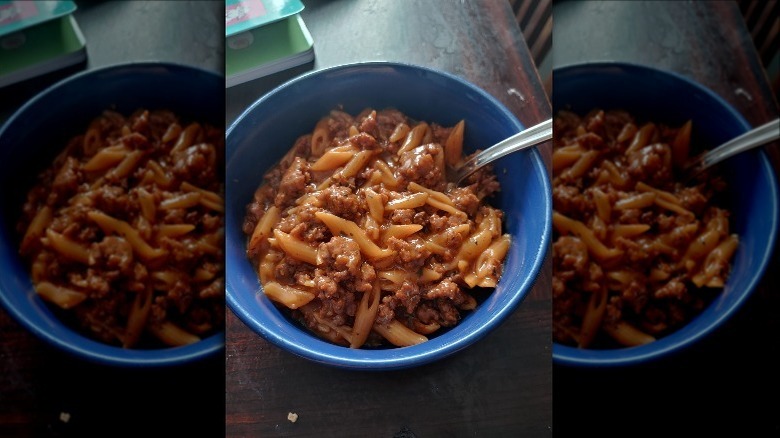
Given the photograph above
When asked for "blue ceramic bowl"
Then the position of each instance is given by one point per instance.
(663, 96)
(267, 129)
(40, 129)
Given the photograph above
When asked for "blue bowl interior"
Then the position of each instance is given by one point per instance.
(752, 198)
(40, 129)
(268, 128)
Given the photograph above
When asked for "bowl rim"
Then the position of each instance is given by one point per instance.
(94, 71)
(675, 342)
(405, 357)
(83, 347)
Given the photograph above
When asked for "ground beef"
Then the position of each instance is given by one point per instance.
(420, 165)
(293, 182)
(341, 256)
(341, 201)
(66, 182)
(651, 164)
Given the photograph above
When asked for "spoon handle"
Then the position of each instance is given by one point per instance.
(755, 137)
(523, 139)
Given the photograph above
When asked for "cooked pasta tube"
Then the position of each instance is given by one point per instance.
(105, 158)
(295, 248)
(339, 225)
(186, 137)
(398, 334)
(409, 201)
(681, 145)
(414, 138)
(263, 227)
(174, 230)
(333, 159)
(67, 247)
(365, 316)
(400, 231)
(714, 267)
(642, 137)
(186, 200)
(375, 206)
(63, 297)
(37, 228)
(453, 147)
(171, 334)
(627, 335)
(126, 166)
(598, 249)
(113, 225)
(139, 314)
(594, 315)
(289, 296)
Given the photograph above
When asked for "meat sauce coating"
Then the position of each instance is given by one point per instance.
(637, 252)
(409, 227)
(124, 231)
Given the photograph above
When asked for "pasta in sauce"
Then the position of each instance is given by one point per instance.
(637, 253)
(357, 233)
(124, 231)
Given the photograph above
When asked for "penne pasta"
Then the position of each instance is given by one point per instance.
(398, 334)
(63, 297)
(105, 158)
(400, 231)
(339, 226)
(320, 138)
(186, 200)
(566, 225)
(414, 138)
(365, 317)
(594, 314)
(375, 205)
(289, 296)
(453, 147)
(68, 248)
(148, 204)
(112, 225)
(186, 137)
(410, 201)
(172, 335)
(37, 228)
(139, 315)
(332, 159)
(263, 227)
(126, 166)
(295, 248)
(627, 335)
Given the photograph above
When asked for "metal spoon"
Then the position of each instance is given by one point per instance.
(759, 136)
(522, 140)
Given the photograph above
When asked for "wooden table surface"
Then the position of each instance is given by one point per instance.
(44, 392)
(729, 382)
(500, 386)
